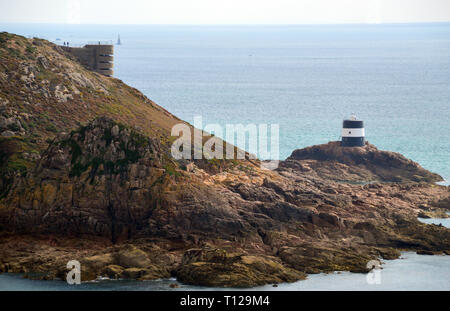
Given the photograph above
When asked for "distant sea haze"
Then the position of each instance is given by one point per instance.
(396, 77)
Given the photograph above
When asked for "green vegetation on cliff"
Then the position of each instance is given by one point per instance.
(44, 91)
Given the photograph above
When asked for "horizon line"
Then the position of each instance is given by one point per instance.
(206, 24)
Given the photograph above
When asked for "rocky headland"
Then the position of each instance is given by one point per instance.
(86, 174)
(364, 165)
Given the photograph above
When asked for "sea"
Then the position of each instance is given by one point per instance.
(304, 78)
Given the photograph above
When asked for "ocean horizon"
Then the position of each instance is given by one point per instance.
(306, 78)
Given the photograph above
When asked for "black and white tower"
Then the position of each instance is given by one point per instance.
(352, 133)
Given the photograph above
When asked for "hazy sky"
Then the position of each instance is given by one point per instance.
(223, 11)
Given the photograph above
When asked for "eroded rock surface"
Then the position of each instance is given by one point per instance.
(108, 193)
(234, 225)
(357, 164)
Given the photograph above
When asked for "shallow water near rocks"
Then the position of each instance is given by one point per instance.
(411, 272)
(437, 221)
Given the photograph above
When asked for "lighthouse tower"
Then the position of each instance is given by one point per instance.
(352, 133)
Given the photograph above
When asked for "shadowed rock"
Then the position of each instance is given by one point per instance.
(357, 164)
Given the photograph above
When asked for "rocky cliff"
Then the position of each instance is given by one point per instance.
(101, 187)
(357, 164)
(44, 92)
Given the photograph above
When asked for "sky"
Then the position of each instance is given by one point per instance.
(223, 11)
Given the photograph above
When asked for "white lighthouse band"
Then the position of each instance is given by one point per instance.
(349, 132)
(353, 133)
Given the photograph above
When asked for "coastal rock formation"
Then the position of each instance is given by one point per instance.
(97, 180)
(357, 164)
(88, 175)
(216, 267)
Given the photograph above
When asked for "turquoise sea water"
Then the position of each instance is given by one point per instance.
(395, 77)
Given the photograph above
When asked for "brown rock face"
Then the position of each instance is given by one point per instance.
(236, 226)
(97, 180)
(219, 268)
(109, 194)
(357, 164)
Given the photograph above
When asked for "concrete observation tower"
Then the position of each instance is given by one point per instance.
(352, 132)
(97, 56)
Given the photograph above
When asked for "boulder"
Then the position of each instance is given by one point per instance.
(235, 270)
(132, 257)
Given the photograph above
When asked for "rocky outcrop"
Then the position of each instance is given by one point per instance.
(218, 268)
(44, 92)
(147, 217)
(46, 257)
(97, 180)
(107, 192)
(357, 164)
